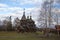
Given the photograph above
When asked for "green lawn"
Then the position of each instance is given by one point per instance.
(24, 36)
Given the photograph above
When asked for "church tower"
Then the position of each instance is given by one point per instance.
(23, 21)
(30, 17)
(23, 17)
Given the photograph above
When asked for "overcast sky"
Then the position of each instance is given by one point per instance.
(15, 8)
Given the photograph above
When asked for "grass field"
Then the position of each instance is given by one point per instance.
(24, 36)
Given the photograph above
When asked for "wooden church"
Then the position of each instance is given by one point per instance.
(26, 24)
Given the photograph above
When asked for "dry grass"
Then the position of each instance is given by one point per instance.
(25, 36)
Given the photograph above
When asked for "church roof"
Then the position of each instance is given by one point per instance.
(28, 19)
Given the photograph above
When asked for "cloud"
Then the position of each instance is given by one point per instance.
(3, 5)
(56, 10)
(36, 3)
(31, 2)
(17, 12)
